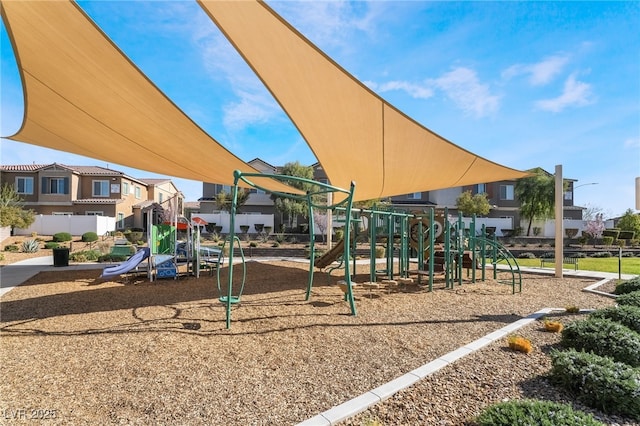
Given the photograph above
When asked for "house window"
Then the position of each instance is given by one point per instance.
(506, 192)
(138, 192)
(415, 196)
(125, 188)
(568, 195)
(24, 185)
(94, 213)
(100, 188)
(481, 188)
(55, 185)
(160, 197)
(120, 219)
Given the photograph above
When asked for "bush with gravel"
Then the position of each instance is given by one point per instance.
(89, 237)
(626, 315)
(599, 382)
(534, 412)
(632, 299)
(61, 237)
(628, 286)
(604, 337)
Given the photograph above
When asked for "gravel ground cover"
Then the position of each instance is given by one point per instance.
(134, 352)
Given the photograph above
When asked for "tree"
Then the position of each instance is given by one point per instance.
(224, 200)
(320, 220)
(473, 204)
(630, 221)
(289, 206)
(595, 227)
(536, 194)
(12, 212)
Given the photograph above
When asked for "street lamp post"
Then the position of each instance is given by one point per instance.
(584, 184)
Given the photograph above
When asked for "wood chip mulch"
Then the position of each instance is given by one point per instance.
(135, 352)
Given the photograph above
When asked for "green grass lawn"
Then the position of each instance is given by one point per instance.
(630, 265)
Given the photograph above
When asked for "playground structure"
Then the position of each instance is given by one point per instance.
(436, 244)
(441, 246)
(417, 246)
(316, 196)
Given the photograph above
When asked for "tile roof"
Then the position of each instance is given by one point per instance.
(98, 201)
(154, 181)
(83, 170)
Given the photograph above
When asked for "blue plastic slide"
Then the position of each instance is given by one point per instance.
(128, 265)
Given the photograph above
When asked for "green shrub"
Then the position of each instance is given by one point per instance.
(253, 244)
(526, 255)
(605, 338)
(600, 254)
(85, 256)
(607, 241)
(548, 255)
(632, 299)
(51, 245)
(62, 237)
(626, 235)
(578, 255)
(611, 232)
(628, 286)
(11, 248)
(533, 412)
(1, 256)
(111, 258)
(89, 237)
(30, 246)
(627, 315)
(599, 382)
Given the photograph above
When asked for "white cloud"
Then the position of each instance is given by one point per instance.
(253, 102)
(463, 87)
(575, 93)
(541, 72)
(413, 90)
(632, 143)
(328, 23)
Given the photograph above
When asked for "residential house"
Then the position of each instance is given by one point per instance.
(501, 196)
(258, 201)
(58, 189)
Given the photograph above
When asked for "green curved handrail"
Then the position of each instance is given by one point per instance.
(500, 252)
(314, 193)
(230, 299)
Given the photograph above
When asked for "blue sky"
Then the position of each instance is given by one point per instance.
(524, 84)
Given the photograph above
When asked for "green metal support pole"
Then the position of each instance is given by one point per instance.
(312, 245)
(420, 248)
(472, 247)
(372, 246)
(432, 248)
(231, 237)
(483, 251)
(347, 272)
(460, 246)
(494, 256)
(390, 247)
(447, 249)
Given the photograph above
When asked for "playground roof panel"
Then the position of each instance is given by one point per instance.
(84, 96)
(353, 132)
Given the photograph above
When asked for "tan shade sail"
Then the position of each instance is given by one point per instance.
(354, 133)
(82, 95)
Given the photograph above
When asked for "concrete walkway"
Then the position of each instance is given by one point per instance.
(16, 273)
